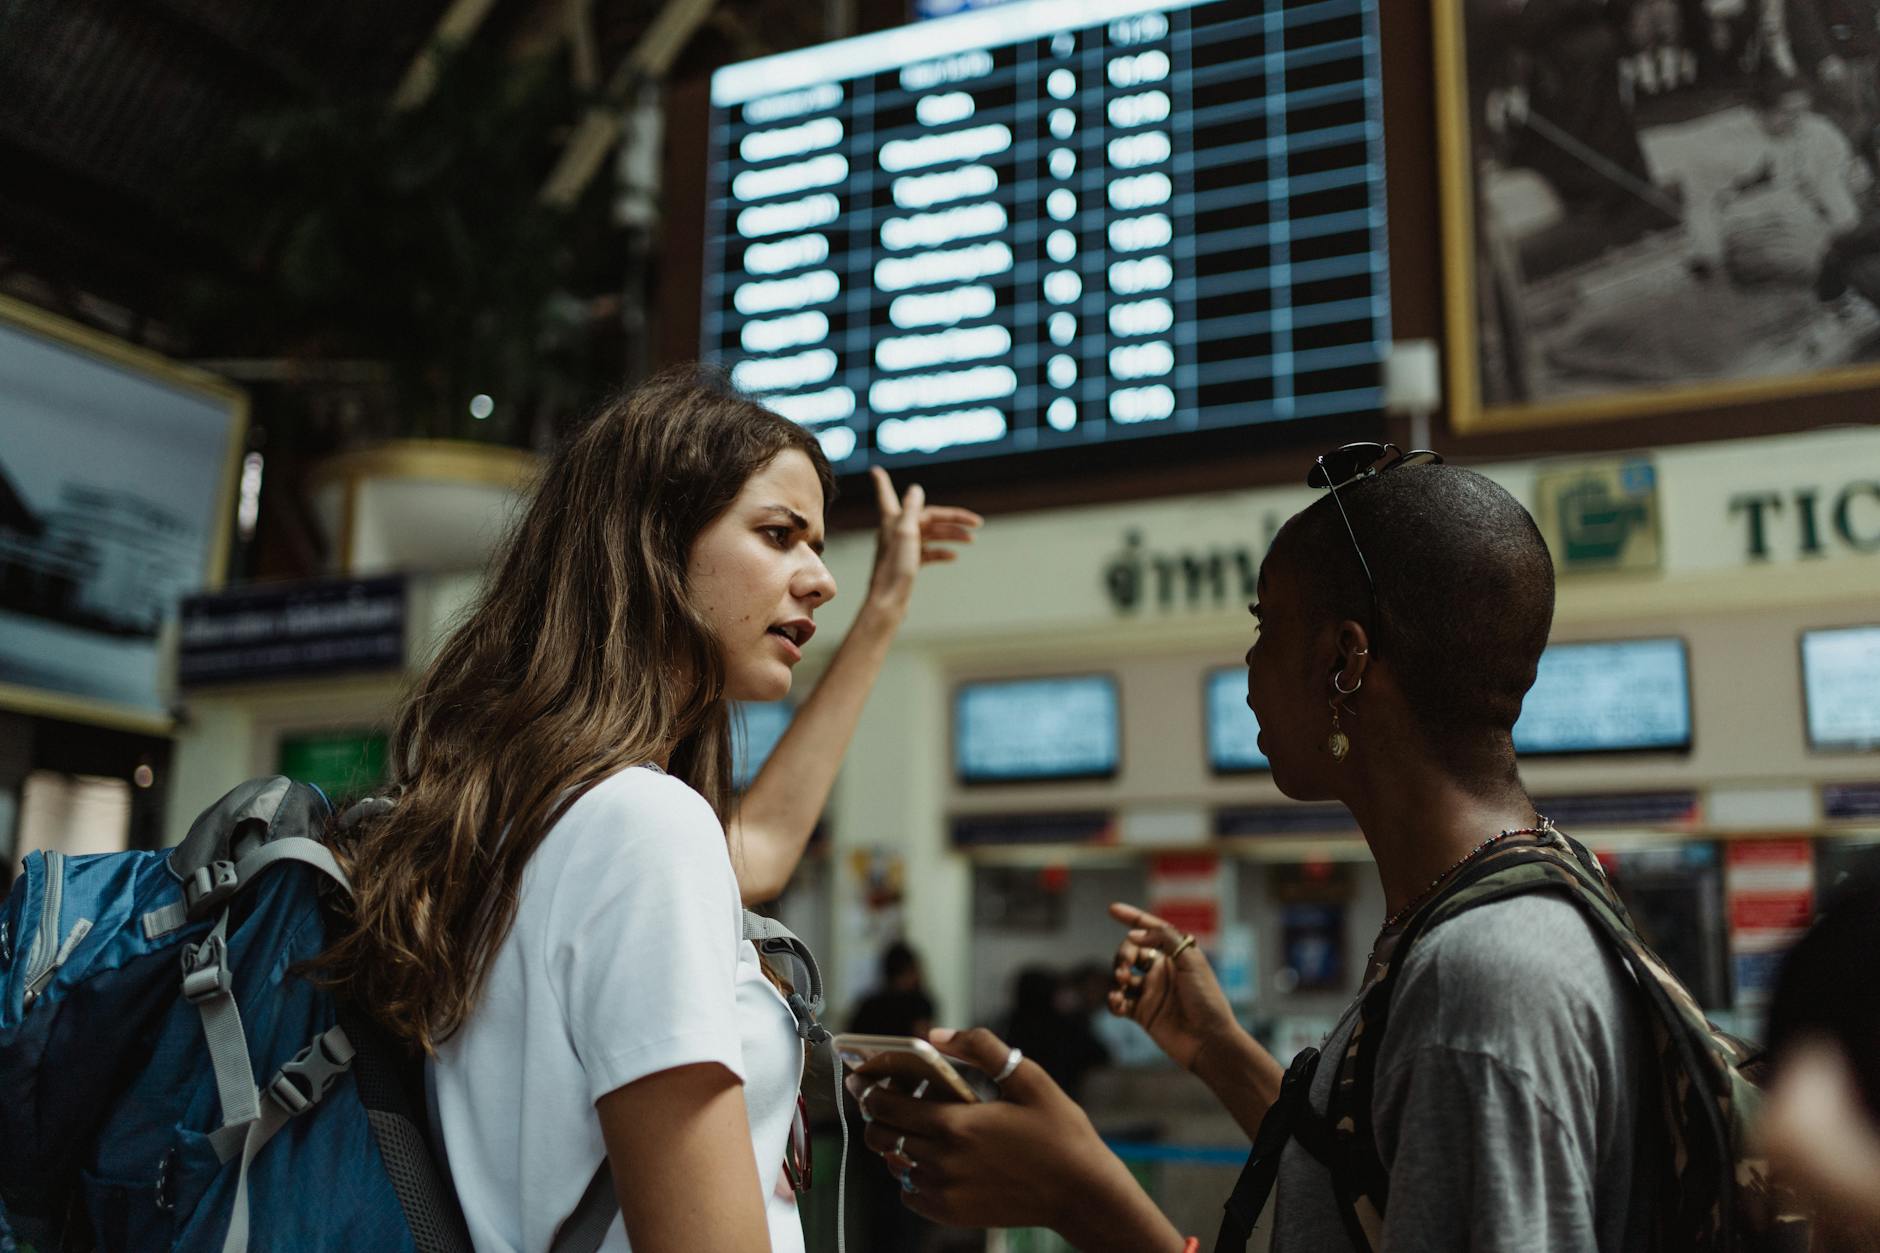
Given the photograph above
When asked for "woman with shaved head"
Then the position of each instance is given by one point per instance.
(1400, 622)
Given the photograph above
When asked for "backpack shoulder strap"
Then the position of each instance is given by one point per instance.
(1281, 1123)
(777, 943)
(256, 825)
(1522, 864)
(584, 1228)
(1700, 1068)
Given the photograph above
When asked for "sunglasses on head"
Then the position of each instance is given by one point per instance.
(1346, 465)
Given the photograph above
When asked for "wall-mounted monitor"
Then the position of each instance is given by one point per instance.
(1617, 696)
(117, 483)
(1029, 730)
(755, 729)
(1233, 731)
(1052, 225)
(1841, 680)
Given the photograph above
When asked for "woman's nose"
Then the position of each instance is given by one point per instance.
(816, 583)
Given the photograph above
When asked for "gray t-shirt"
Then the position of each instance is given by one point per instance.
(1513, 1102)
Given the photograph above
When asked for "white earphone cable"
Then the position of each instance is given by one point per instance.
(842, 1174)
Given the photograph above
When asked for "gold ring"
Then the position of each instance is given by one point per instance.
(1187, 943)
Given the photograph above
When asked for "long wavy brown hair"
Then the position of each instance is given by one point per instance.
(582, 655)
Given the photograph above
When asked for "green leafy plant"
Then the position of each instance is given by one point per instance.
(414, 241)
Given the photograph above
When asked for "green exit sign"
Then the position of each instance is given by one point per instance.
(339, 763)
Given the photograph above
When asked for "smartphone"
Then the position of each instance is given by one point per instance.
(911, 1061)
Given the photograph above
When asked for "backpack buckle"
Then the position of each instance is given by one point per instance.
(210, 885)
(287, 1094)
(205, 970)
(305, 1080)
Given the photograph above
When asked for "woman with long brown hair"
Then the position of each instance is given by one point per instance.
(551, 910)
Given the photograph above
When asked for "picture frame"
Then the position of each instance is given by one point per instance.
(118, 472)
(1628, 229)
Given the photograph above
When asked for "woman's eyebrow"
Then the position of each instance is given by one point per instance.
(797, 520)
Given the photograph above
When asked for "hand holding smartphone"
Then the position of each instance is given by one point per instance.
(912, 1062)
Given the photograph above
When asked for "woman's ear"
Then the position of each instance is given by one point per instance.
(1353, 655)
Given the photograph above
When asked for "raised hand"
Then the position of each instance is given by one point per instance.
(1176, 1000)
(913, 533)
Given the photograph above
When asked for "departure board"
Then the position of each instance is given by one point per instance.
(1053, 224)
(1607, 697)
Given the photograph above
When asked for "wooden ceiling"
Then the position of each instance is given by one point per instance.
(107, 107)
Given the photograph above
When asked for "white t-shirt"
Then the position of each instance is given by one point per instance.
(627, 958)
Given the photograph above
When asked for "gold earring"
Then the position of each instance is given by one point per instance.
(1338, 744)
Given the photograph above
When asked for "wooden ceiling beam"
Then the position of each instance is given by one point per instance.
(457, 26)
(599, 130)
(584, 49)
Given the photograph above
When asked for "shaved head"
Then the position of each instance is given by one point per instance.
(1465, 598)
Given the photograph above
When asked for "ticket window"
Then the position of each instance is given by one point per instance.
(75, 788)
(73, 814)
(1042, 917)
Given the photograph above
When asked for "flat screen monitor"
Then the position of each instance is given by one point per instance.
(118, 473)
(1841, 680)
(1036, 729)
(1053, 224)
(1615, 696)
(1233, 731)
(755, 729)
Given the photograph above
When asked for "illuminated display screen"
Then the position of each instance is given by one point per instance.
(1620, 696)
(1032, 729)
(1233, 731)
(755, 730)
(1053, 224)
(1841, 676)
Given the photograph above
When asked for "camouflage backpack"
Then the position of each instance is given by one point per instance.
(1713, 1190)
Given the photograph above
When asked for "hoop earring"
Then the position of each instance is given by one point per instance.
(1338, 744)
(1344, 691)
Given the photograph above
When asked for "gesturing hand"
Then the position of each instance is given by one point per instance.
(912, 534)
(1177, 1001)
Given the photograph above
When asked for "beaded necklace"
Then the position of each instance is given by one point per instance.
(1544, 828)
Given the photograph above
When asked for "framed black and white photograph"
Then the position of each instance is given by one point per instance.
(1656, 205)
(117, 469)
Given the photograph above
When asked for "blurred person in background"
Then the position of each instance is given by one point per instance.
(1123, 1043)
(1048, 1023)
(551, 909)
(1821, 1120)
(1400, 623)
(900, 1005)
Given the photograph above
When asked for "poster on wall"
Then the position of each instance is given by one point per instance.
(1656, 205)
(1771, 896)
(1186, 890)
(116, 469)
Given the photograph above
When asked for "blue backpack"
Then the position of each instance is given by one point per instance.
(172, 1081)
